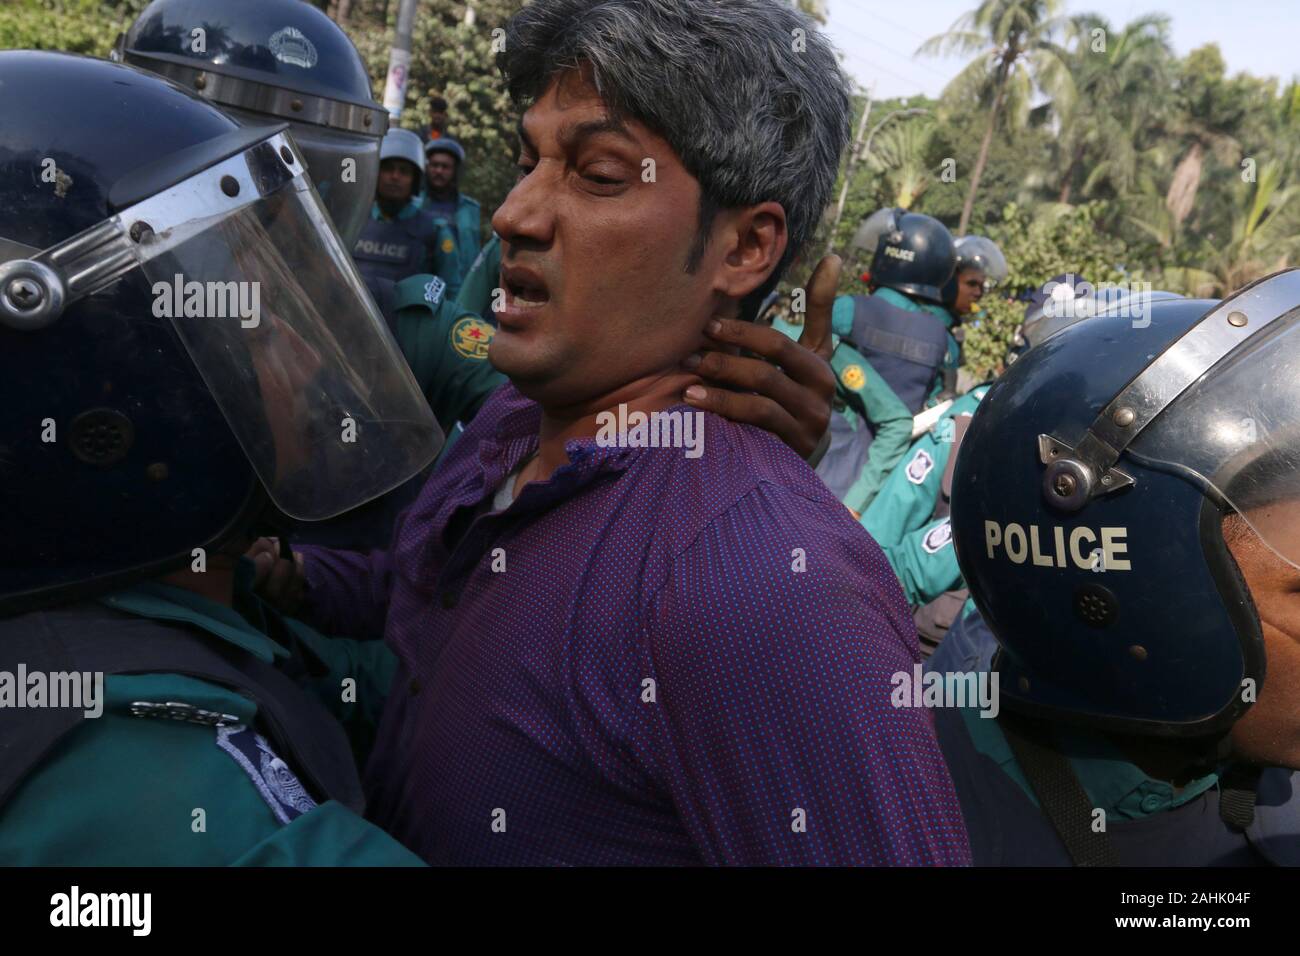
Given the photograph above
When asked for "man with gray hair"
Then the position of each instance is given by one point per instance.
(620, 654)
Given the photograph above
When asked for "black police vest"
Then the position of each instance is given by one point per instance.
(906, 348)
(1005, 828)
(91, 637)
(396, 248)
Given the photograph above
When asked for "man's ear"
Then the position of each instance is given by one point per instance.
(753, 240)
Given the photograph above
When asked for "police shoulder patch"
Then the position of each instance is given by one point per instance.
(937, 538)
(448, 245)
(853, 377)
(471, 336)
(277, 785)
(921, 465)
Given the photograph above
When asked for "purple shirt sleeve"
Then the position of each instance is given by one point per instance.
(777, 740)
(347, 592)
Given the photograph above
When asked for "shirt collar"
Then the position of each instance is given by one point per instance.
(166, 602)
(1114, 784)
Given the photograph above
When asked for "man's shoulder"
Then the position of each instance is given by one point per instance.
(746, 489)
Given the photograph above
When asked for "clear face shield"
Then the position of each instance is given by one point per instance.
(344, 168)
(1221, 406)
(982, 254)
(243, 261)
(867, 238)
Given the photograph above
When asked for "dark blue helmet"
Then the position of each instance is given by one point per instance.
(272, 61)
(976, 252)
(181, 335)
(1088, 499)
(916, 256)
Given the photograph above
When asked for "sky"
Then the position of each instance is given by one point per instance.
(878, 37)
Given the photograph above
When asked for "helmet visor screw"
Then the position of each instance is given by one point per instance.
(1064, 484)
(230, 185)
(25, 294)
(140, 231)
(1123, 417)
(1237, 319)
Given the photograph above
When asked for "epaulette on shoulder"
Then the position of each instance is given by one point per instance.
(423, 289)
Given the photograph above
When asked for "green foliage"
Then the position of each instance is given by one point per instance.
(452, 59)
(1038, 248)
(73, 26)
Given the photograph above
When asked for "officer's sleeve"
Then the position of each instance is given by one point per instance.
(893, 431)
(842, 316)
(772, 725)
(446, 348)
(925, 562)
(124, 790)
(906, 499)
(484, 276)
(330, 835)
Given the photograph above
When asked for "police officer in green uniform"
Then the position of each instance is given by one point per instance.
(1125, 511)
(172, 385)
(903, 328)
(870, 426)
(444, 163)
(909, 519)
(402, 237)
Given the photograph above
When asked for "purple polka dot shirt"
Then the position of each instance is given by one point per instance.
(646, 659)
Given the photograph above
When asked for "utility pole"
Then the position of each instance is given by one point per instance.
(399, 62)
(848, 171)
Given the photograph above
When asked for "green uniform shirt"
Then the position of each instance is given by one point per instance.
(920, 549)
(866, 399)
(446, 347)
(122, 790)
(1113, 784)
(482, 280)
(469, 231)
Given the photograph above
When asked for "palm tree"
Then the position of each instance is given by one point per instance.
(1208, 113)
(1118, 97)
(1260, 239)
(899, 157)
(1015, 54)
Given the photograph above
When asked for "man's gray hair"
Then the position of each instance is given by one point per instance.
(747, 92)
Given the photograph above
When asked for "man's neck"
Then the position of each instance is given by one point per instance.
(442, 195)
(563, 424)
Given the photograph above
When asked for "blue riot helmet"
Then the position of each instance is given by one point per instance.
(976, 252)
(183, 336)
(916, 257)
(1067, 298)
(272, 61)
(403, 144)
(1088, 500)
